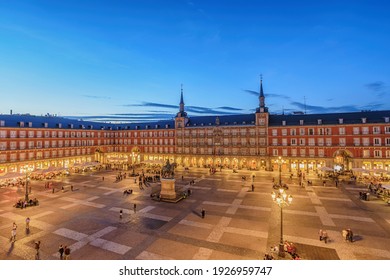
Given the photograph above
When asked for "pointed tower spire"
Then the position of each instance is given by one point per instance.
(181, 113)
(261, 96)
(181, 100)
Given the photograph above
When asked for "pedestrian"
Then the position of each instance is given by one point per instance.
(135, 207)
(67, 252)
(321, 234)
(61, 251)
(14, 226)
(53, 190)
(120, 214)
(25, 204)
(203, 212)
(253, 188)
(325, 236)
(37, 247)
(27, 223)
(13, 235)
(103, 178)
(71, 188)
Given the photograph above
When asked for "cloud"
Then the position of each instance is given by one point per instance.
(267, 95)
(229, 108)
(376, 86)
(152, 104)
(96, 96)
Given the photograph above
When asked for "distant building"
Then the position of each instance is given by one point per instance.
(306, 142)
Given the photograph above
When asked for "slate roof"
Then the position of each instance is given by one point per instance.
(68, 123)
(197, 121)
(330, 119)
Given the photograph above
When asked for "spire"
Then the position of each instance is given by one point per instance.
(181, 100)
(261, 97)
(181, 112)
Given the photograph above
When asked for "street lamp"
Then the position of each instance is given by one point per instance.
(280, 161)
(27, 170)
(282, 200)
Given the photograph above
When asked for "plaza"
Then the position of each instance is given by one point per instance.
(239, 224)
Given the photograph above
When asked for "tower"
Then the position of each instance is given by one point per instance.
(181, 118)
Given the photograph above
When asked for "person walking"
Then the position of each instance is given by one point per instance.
(325, 236)
(67, 252)
(61, 252)
(203, 212)
(13, 235)
(27, 223)
(321, 234)
(37, 247)
(120, 214)
(135, 207)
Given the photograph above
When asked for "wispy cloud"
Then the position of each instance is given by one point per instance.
(96, 96)
(376, 86)
(268, 95)
(151, 104)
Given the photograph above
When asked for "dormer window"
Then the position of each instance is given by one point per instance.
(283, 123)
(301, 122)
(59, 125)
(45, 124)
(70, 125)
(21, 124)
(341, 121)
(364, 120)
(319, 121)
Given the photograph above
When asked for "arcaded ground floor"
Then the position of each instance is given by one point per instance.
(239, 223)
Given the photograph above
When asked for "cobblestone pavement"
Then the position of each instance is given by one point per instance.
(239, 224)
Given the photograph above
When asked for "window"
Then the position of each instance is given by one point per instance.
(275, 152)
(377, 141)
(341, 121)
(301, 122)
(387, 141)
(342, 141)
(284, 153)
(365, 130)
(302, 142)
(284, 142)
(377, 153)
(356, 130)
(342, 130)
(301, 131)
(274, 142)
(284, 132)
(294, 152)
(364, 120)
(376, 130)
(321, 152)
(302, 152)
(319, 121)
(311, 142)
(293, 142)
(356, 141)
(293, 132)
(328, 141)
(320, 141)
(387, 129)
(366, 141)
(283, 123)
(274, 132)
(311, 153)
(311, 131)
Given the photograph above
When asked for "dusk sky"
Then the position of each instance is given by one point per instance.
(126, 60)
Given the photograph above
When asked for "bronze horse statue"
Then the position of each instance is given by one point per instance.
(168, 170)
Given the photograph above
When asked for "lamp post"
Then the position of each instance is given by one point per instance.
(280, 161)
(282, 200)
(27, 170)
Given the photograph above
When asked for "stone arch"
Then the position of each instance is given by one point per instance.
(342, 160)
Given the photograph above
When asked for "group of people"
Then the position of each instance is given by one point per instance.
(347, 234)
(24, 203)
(64, 252)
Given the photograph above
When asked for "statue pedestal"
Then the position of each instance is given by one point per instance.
(167, 189)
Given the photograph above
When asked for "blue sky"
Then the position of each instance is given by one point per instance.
(126, 60)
